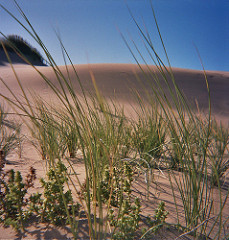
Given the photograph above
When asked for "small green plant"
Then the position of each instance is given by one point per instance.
(157, 221)
(54, 204)
(160, 215)
(113, 194)
(13, 203)
(116, 183)
(126, 220)
(126, 223)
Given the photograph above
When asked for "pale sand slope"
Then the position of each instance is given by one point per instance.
(117, 80)
(114, 81)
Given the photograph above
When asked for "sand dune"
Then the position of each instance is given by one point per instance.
(118, 81)
(114, 81)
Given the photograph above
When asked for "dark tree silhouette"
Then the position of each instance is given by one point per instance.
(15, 43)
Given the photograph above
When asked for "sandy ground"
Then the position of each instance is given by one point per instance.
(115, 81)
(118, 81)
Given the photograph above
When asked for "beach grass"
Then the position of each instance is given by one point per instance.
(166, 135)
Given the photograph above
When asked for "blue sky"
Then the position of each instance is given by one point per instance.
(88, 29)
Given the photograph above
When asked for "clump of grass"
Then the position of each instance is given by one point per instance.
(149, 138)
(219, 164)
(46, 133)
(9, 136)
(190, 138)
(70, 137)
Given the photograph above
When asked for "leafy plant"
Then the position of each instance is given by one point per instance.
(56, 204)
(50, 206)
(158, 219)
(117, 183)
(13, 203)
(126, 222)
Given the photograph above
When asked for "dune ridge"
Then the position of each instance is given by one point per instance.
(118, 81)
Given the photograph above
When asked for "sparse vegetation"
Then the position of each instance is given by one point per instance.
(53, 205)
(9, 136)
(157, 221)
(192, 149)
(12, 198)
